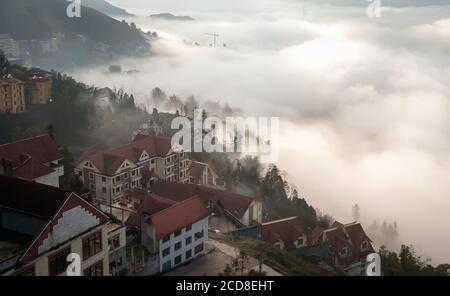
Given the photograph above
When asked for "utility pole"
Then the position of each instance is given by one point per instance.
(215, 37)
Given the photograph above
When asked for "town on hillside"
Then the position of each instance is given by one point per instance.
(148, 210)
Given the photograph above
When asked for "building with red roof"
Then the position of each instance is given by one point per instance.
(225, 206)
(287, 234)
(172, 231)
(12, 95)
(34, 159)
(40, 225)
(111, 175)
(349, 246)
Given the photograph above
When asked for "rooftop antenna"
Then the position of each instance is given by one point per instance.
(215, 37)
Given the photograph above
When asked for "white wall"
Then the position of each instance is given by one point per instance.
(196, 227)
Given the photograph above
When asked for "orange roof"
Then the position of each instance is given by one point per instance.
(178, 216)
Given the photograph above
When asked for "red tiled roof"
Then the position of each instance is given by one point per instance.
(288, 230)
(31, 198)
(42, 148)
(32, 169)
(109, 161)
(235, 204)
(150, 204)
(178, 216)
(351, 235)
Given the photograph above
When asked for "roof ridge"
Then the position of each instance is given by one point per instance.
(280, 220)
(22, 140)
(175, 205)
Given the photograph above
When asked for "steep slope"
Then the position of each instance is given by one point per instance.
(105, 7)
(39, 19)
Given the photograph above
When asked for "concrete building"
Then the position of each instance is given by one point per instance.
(35, 159)
(173, 232)
(12, 95)
(41, 225)
(40, 86)
(229, 211)
(111, 175)
(287, 234)
(349, 246)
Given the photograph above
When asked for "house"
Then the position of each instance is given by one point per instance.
(35, 159)
(229, 210)
(40, 85)
(41, 225)
(12, 95)
(173, 232)
(349, 246)
(287, 234)
(111, 175)
(202, 174)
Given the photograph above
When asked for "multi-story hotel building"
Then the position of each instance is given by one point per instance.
(41, 225)
(111, 175)
(12, 95)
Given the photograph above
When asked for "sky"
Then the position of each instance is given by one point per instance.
(363, 102)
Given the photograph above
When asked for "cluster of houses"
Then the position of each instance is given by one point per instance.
(16, 94)
(143, 193)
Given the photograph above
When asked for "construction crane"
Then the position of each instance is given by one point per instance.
(215, 37)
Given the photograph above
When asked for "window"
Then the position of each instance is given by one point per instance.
(198, 249)
(188, 254)
(57, 263)
(104, 189)
(152, 161)
(117, 179)
(177, 246)
(91, 186)
(177, 233)
(178, 260)
(300, 242)
(92, 245)
(133, 184)
(127, 186)
(94, 270)
(198, 235)
(166, 252)
(103, 179)
(166, 239)
(188, 240)
(91, 176)
(133, 173)
(126, 175)
(188, 228)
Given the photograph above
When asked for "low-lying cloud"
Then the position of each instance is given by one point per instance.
(364, 104)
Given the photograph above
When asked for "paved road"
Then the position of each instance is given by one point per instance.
(214, 262)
